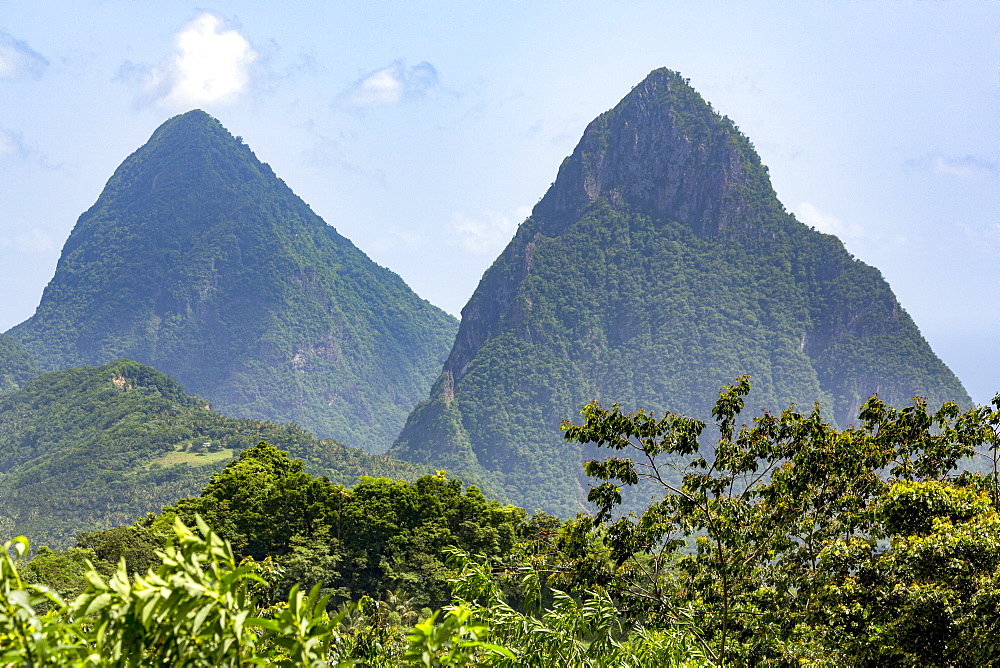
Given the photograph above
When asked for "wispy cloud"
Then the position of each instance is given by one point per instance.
(979, 235)
(18, 60)
(810, 214)
(485, 233)
(328, 152)
(967, 167)
(390, 85)
(12, 145)
(28, 241)
(211, 64)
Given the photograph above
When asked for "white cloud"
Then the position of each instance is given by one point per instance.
(825, 222)
(487, 233)
(18, 60)
(967, 167)
(390, 85)
(211, 65)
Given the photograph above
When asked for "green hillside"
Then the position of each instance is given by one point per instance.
(198, 260)
(16, 367)
(95, 447)
(659, 266)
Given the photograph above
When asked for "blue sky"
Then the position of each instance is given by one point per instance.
(425, 131)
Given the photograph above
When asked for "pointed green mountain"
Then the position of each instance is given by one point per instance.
(659, 266)
(198, 260)
(94, 447)
(16, 367)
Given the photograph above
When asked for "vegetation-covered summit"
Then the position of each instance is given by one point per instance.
(198, 260)
(658, 266)
(94, 447)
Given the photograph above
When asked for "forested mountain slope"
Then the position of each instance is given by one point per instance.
(16, 367)
(94, 447)
(198, 260)
(659, 266)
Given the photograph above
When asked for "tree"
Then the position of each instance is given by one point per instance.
(931, 596)
(744, 533)
(378, 536)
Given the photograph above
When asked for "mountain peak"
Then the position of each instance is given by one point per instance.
(199, 115)
(194, 120)
(191, 152)
(659, 266)
(198, 260)
(194, 129)
(664, 152)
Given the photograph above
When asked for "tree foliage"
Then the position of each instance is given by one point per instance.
(790, 540)
(379, 538)
(785, 541)
(199, 607)
(16, 367)
(196, 608)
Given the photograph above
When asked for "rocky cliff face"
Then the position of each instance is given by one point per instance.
(659, 266)
(198, 260)
(662, 152)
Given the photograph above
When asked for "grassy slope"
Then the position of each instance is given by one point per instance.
(95, 447)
